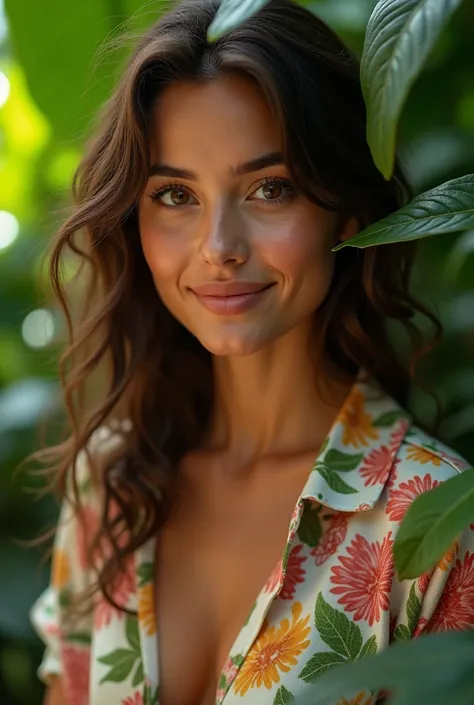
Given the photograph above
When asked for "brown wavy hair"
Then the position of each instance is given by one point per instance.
(158, 375)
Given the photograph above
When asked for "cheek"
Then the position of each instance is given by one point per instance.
(165, 255)
(301, 251)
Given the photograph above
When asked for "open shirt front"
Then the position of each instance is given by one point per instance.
(333, 597)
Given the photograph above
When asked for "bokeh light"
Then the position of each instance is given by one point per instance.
(4, 88)
(9, 229)
(38, 328)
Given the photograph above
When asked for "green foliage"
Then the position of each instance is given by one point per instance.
(432, 523)
(399, 37)
(69, 92)
(231, 14)
(445, 209)
(434, 669)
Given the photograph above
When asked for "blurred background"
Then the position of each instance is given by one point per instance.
(54, 73)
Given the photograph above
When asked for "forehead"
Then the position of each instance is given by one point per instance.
(223, 119)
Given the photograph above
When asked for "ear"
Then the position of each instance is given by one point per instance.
(348, 228)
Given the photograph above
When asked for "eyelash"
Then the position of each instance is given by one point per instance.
(264, 181)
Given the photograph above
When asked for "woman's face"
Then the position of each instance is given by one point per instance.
(237, 255)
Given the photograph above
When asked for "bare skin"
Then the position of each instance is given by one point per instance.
(239, 490)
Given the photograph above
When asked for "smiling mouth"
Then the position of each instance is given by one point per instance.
(232, 298)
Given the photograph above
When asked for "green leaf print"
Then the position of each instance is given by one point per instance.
(401, 633)
(64, 598)
(283, 696)
(138, 675)
(413, 609)
(131, 632)
(145, 573)
(335, 482)
(150, 697)
(336, 630)
(237, 660)
(79, 638)
(342, 462)
(369, 648)
(310, 529)
(319, 664)
(388, 418)
(122, 661)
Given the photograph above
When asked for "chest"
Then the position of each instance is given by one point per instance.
(214, 557)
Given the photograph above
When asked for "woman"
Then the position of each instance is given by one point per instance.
(237, 483)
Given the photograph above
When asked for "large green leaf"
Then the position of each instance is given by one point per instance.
(231, 14)
(432, 523)
(400, 35)
(58, 44)
(435, 669)
(447, 208)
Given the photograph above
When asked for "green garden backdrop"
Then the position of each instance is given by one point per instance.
(55, 70)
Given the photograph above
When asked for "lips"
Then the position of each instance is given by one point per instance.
(231, 298)
(224, 289)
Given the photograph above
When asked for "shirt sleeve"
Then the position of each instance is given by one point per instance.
(70, 578)
(67, 634)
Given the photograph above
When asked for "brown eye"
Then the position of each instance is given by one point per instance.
(178, 197)
(272, 190)
(173, 197)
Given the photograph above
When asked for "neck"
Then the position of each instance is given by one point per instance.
(273, 402)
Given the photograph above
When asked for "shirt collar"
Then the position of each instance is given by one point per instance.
(355, 460)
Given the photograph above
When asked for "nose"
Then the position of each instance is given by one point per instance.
(224, 239)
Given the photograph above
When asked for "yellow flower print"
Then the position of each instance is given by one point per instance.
(423, 456)
(356, 422)
(448, 557)
(275, 648)
(360, 699)
(61, 569)
(146, 609)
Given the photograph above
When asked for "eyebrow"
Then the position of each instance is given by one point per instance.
(262, 162)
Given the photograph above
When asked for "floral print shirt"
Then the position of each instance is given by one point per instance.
(333, 597)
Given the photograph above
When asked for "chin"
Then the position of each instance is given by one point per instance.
(231, 346)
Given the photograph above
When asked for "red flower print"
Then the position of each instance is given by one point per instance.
(392, 478)
(275, 578)
(76, 672)
(230, 670)
(423, 582)
(220, 695)
(397, 436)
(420, 627)
(401, 497)
(104, 611)
(455, 610)
(457, 462)
(331, 539)
(364, 578)
(135, 699)
(294, 574)
(376, 467)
